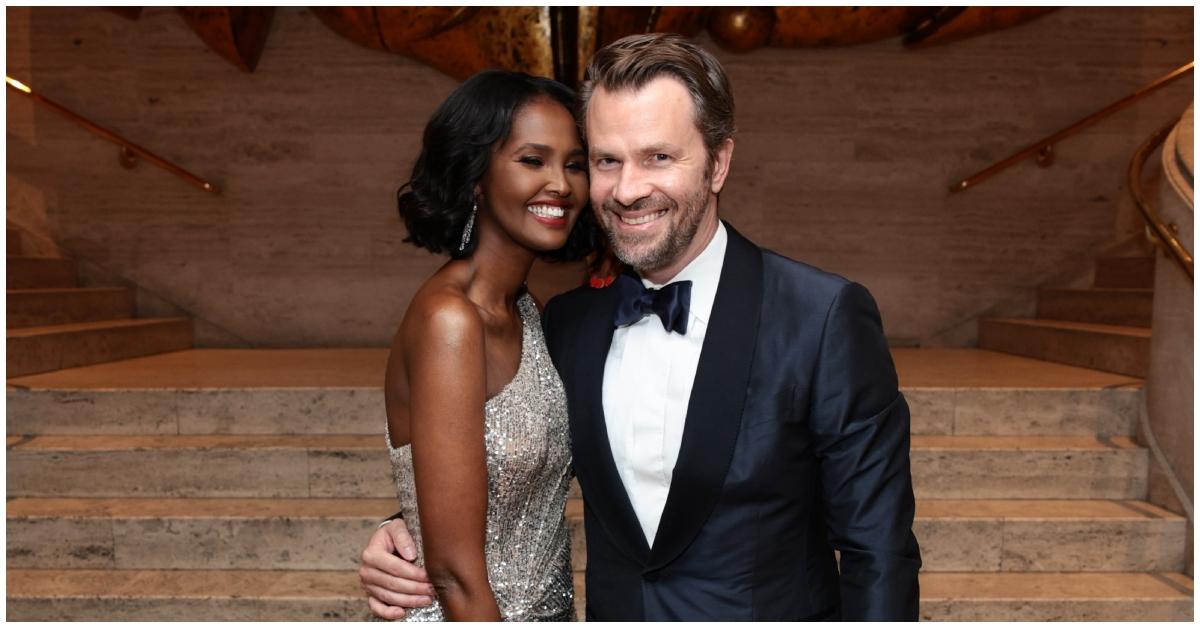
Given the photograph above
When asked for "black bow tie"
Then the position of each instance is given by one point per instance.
(635, 301)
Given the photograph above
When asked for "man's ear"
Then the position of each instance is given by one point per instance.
(721, 162)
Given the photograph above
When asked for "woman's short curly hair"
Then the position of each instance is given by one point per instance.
(455, 152)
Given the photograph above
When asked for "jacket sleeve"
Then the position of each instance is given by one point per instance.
(861, 429)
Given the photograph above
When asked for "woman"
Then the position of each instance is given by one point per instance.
(477, 424)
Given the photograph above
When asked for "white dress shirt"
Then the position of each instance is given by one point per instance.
(648, 379)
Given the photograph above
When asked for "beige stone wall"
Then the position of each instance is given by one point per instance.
(843, 160)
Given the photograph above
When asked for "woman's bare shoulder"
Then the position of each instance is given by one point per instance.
(440, 315)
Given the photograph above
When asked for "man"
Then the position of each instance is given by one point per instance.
(734, 414)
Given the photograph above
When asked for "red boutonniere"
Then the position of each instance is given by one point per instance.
(602, 282)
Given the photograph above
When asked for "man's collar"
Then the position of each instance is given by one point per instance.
(704, 272)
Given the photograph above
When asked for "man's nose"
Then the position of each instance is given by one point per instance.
(631, 186)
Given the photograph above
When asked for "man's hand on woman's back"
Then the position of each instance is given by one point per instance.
(388, 575)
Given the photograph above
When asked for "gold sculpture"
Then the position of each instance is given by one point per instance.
(558, 41)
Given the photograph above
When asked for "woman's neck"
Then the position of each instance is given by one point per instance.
(498, 270)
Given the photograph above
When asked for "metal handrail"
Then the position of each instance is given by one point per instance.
(129, 151)
(1164, 233)
(1043, 149)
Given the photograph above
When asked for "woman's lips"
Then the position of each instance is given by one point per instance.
(549, 214)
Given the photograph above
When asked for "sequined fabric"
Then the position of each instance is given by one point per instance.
(528, 447)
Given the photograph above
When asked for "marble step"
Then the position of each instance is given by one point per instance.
(181, 533)
(58, 306)
(1028, 467)
(318, 391)
(13, 242)
(207, 391)
(1113, 348)
(1056, 597)
(136, 595)
(342, 465)
(1124, 272)
(40, 272)
(1030, 535)
(1106, 306)
(1021, 535)
(52, 347)
(178, 595)
(331, 465)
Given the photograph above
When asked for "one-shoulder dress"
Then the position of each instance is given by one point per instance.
(528, 448)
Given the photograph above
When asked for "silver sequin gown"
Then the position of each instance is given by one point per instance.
(528, 445)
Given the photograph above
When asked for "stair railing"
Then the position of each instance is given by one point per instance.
(129, 153)
(1043, 149)
(1163, 462)
(1165, 235)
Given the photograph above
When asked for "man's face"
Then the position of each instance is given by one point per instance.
(651, 185)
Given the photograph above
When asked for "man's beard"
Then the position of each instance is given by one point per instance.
(637, 250)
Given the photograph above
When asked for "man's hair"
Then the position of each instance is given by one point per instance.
(633, 61)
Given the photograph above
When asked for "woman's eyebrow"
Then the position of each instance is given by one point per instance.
(534, 146)
(542, 148)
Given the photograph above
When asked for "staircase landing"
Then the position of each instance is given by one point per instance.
(324, 368)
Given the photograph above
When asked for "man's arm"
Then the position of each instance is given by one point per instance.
(861, 425)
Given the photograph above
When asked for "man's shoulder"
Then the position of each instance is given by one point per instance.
(576, 299)
(784, 275)
(566, 311)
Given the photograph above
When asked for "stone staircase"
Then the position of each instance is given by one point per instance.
(1106, 327)
(242, 484)
(53, 323)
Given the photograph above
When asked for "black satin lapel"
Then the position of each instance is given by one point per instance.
(602, 487)
(715, 408)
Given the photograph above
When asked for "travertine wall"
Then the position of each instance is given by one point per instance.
(843, 160)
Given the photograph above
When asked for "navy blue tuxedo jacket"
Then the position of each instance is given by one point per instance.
(795, 444)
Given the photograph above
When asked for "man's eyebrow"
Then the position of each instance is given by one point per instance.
(651, 149)
(661, 147)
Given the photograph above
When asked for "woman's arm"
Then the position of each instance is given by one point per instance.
(447, 390)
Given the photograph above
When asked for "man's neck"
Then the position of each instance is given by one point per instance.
(704, 235)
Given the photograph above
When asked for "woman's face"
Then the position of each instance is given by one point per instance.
(536, 183)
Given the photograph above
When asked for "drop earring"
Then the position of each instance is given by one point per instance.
(466, 236)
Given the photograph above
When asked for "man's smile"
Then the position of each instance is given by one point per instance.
(642, 219)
